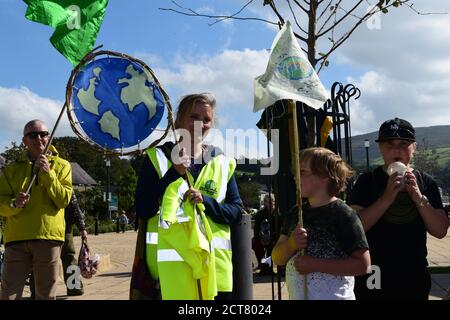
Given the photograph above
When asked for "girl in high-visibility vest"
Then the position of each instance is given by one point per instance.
(198, 217)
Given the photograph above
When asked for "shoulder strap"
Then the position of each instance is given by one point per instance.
(159, 160)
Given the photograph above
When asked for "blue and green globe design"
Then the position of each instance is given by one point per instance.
(295, 68)
(117, 102)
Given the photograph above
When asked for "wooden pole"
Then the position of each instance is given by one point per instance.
(35, 172)
(185, 177)
(296, 160)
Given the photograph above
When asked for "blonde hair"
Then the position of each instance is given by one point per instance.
(326, 164)
(188, 101)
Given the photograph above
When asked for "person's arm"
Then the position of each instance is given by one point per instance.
(150, 188)
(354, 265)
(435, 219)
(7, 197)
(371, 214)
(58, 184)
(229, 212)
(76, 215)
(287, 246)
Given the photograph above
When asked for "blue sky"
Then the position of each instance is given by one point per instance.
(402, 68)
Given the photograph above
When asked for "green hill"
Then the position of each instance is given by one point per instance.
(437, 138)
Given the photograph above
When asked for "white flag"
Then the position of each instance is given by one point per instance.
(289, 75)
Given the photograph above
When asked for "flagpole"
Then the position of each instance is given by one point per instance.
(296, 158)
(50, 139)
(185, 177)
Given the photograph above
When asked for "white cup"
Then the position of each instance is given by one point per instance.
(397, 167)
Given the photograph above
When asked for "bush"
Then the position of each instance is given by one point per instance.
(104, 226)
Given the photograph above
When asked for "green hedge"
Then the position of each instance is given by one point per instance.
(104, 226)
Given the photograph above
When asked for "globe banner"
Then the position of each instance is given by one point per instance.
(115, 103)
(289, 75)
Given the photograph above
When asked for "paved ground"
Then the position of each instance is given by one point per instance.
(118, 252)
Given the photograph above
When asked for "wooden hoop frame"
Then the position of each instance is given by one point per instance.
(74, 124)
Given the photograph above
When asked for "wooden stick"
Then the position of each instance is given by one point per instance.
(296, 159)
(35, 172)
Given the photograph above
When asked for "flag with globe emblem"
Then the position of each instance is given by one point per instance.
(117, 102)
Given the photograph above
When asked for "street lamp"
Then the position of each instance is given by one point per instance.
(367, 145)
(108, 194)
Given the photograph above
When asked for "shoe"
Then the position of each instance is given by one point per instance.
(75, 292)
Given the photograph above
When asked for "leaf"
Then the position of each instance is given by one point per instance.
(384, 10)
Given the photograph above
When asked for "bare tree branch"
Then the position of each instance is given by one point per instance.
(340, 20)
(422, 13)
(325, 9)
(310, 7)
(300, 6)
(333, 13)
(295, 18)
(192, 13)
(275, 10)
(233, 15)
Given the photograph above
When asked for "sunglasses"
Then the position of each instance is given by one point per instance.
(35, 134)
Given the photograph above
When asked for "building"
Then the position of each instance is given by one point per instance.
(81, 178)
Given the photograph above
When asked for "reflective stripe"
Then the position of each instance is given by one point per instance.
(152, 238)
(168, 255)
(223, 187)
(162, 161)
(220, 243)
(182, 219)
(182, 189)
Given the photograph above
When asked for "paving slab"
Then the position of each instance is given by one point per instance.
(113, 282)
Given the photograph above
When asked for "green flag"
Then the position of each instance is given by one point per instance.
(76, 23)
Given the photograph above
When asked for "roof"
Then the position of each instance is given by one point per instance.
(81, 177)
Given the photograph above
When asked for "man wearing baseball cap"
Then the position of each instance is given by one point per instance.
(397, 211)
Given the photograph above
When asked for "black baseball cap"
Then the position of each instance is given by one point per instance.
(396, 129)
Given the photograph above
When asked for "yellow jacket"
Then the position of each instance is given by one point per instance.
(43, 216)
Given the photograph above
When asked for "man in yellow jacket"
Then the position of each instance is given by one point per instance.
(34, 223)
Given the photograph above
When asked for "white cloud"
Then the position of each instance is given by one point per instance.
(19, 105)
(385, 98)
(229, 75)
(406, 69)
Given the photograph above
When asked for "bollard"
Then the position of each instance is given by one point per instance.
(241, 242)
(96, 226)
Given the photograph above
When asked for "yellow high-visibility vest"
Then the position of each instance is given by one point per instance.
(177, 219)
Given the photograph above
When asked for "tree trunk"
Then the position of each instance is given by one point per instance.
(312, 32)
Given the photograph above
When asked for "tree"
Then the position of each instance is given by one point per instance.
(426, 159)
(334, 20)
(14, 152)
(249, 192)
(126, 191)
